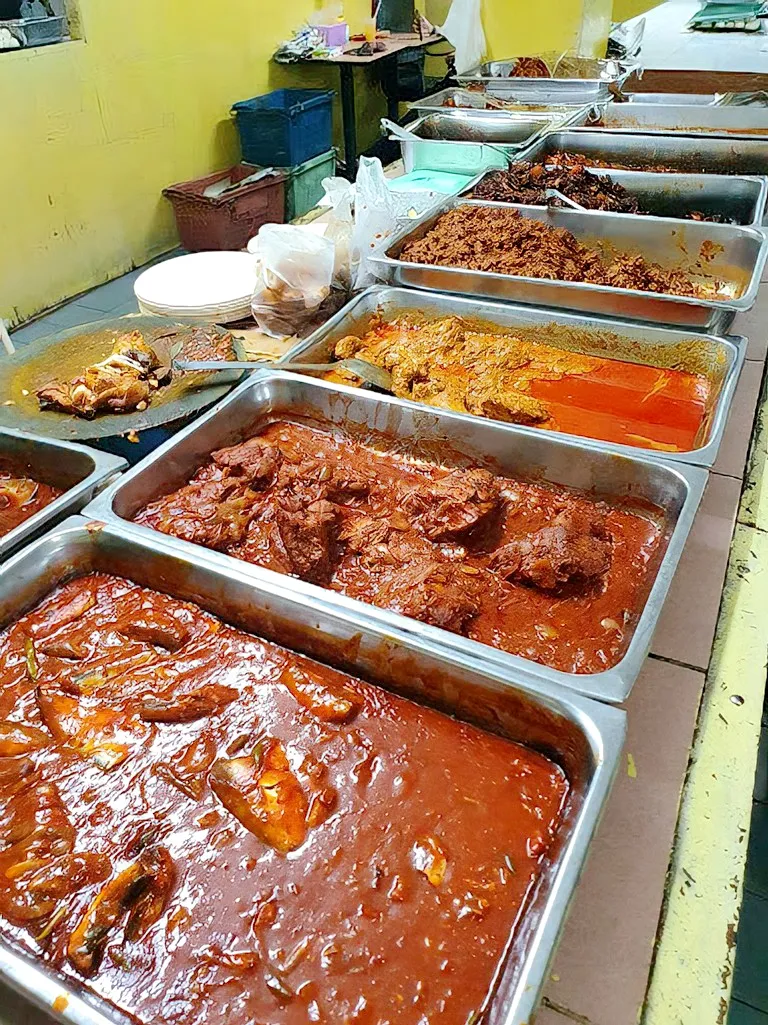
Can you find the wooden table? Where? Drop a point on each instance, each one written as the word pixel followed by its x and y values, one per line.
pixel 347 61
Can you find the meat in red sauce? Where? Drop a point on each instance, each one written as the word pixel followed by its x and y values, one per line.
pixel 200 825
pixel 532 569
pixel 20 498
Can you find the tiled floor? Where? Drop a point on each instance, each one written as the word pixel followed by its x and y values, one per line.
pixel 616 910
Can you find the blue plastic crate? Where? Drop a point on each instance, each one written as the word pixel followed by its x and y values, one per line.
pixel 285 127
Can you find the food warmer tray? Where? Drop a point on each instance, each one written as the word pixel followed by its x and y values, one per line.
pixel 270 395
pixel 453 139
pixel 709 154
pixel 672 195
pixel 495 75
pixel 584 736
pixel 685 119
pixel 475 99
pixel 739 255
pixel 78 471
pixel 639 343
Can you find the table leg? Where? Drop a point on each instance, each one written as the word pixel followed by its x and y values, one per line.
pixel 349 125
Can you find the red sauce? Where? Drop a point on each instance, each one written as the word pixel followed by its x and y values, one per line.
pixel 203 826
pixel 20 498
pixel 628 403
pixel 448 579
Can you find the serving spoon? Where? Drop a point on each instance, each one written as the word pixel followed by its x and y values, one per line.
pixel 377 377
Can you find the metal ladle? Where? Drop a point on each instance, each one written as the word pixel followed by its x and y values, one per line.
pixel 377 377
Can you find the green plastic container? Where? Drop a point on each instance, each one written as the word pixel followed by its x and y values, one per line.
pixel 303 183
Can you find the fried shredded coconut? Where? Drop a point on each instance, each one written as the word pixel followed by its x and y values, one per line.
pixel 502 241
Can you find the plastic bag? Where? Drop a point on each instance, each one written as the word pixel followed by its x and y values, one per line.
pixel 464 30
pixel 378 213
pixel 294 277
pixel 339 196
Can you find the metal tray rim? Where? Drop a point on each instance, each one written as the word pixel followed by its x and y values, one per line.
pixel 742 303
pixel 603 728
pixel 637 173
pixel 612 685
pixel 704 455
pixel 105 467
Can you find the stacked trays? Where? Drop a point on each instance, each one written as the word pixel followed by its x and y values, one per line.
pixel 206 288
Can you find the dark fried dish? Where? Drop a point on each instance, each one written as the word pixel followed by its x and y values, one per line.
pixel 524 567
pixel 501 240
pixel 131 374
pixel 528 184
pixel 264 803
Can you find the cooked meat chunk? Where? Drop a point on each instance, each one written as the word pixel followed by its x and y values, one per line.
pixel 129 376
pixel 158 627
pixel 438 593
pixel 455 504
pixel 361 534
pixel 575 550
pixel 309 534
pixel 492 399
pixel 254 460
pixel 213 512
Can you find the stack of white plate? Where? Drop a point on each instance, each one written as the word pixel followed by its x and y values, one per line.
pixel 199 287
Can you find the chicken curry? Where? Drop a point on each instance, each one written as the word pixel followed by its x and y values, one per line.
pixel 449 364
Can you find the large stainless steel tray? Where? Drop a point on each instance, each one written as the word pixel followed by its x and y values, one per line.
pixel 739 199
pixel 706 154
pixel 685 119
pixel 476 99
pixel 594 84
pixel 739 255
pixel 720 359
pixel 272 394
pixel 584 736
pixel 78 471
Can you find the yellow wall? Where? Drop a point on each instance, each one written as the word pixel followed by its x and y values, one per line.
pixel 93 130
pixel 624 9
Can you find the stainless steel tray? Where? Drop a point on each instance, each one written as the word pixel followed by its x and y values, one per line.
pixel 739 259
pixel 270 395
pixel 584 736
pixel 635 343
pixel 78 471
pixel 706 154
pixel 495 75
pixel 740 199
pixel 685 119
pixel 475 99
pixel 670 99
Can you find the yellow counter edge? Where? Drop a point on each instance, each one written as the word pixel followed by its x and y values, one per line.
pixel 692 973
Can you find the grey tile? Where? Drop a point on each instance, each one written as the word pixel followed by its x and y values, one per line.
pixel 756 879
pixel 760 792
pixel 107 297
pixel 72 315
pixel 750 977
pixel 31 332
pixel 129 307
pixel 743 1014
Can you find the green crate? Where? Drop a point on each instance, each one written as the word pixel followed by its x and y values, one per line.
pixel 303 184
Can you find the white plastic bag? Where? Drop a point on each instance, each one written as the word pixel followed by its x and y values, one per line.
pixel 463 28
pixel 295 273
pixel 339 196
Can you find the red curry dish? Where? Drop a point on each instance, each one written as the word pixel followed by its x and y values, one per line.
pixel 20 498
pixel 200 825
pixel 542 572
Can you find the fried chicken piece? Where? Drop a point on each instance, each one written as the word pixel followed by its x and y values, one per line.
pixel 455 504
pixel 121 383
pixel 574 551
